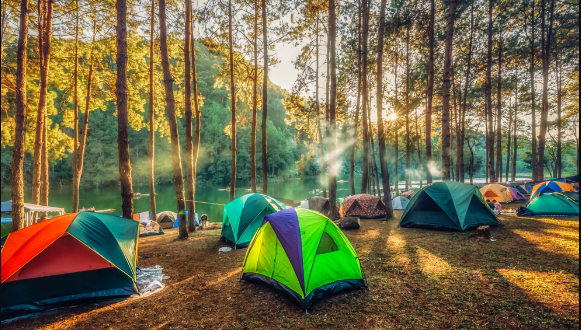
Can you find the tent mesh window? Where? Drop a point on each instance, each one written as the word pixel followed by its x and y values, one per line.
pixel 327 245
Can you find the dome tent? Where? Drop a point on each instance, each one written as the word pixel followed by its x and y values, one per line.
pixel 400 203
pixel 516 194
pixel 66 259
pixel 496 192
pixel 166 219
pixel 448 205
pixel 550 187
pixel 243 216
pixel 363 206
pixel 303 254
pixel 554 205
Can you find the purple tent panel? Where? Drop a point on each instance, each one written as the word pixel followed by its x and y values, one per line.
pixel 286 226
pixel 517 195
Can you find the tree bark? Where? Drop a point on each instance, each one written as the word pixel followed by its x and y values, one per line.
pixel 332 139
pixel 356 123
pixel 456 122
pixel 18 152
pixel 515 137
pixel 559 165
pixel 122 116
pixel 264 100
pixel 380 127
pixel 446 93
pixel 254 104
pixel 490 132
pixel 233 105
pixel 198 115
pixel 320 119
pixel 430 93
pixel 365 54
pixel 191 216
pixel 408 163
pixel 499 114
pixel 464 104
pixel 508 146
pixel 76 177
pixel 151 156
pixel 534 140
pixel 546 54
pixel 396 128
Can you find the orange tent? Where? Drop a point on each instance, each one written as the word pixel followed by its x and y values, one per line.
pixel 497 192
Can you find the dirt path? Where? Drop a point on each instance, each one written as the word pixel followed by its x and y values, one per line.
pixel 418 279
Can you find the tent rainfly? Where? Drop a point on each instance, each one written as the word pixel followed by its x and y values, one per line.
pixel 31 211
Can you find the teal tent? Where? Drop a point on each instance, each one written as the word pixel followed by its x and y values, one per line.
pixel 243 217
pixel 448 205
pixel 554 205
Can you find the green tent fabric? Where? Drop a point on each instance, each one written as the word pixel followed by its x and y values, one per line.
pixel 304 255
pixel 6 228
pixel 243 216
pixel 555 205
pixel 448 205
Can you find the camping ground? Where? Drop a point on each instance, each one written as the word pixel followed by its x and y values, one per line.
pixel 528 278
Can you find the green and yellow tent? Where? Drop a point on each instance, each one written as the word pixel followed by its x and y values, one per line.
pixel 243 216
pixel 554 205
pixel 448 205
pixel 304 255
pixel 68 258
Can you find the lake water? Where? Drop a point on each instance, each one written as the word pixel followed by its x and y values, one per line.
pixel 110 198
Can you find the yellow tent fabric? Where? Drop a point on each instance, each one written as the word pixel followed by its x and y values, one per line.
pixel 497 192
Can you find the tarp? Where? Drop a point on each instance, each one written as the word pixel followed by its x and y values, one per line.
pixel 448 205
pixel 400 203
pixel 243 216
pixel 363 206
pixel 550 187
pixel 304 255
pixel 554 205
pixel 496 192
pixel 68 258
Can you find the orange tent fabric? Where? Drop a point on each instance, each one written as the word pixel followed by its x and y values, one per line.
pixel 496 192
pixel 27 243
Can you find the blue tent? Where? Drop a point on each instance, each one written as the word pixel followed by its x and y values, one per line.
pixel 176 223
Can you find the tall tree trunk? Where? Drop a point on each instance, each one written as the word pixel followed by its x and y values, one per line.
pixel 380 127
pixel 456 127
pixel 446 93
pixel 515 137
pixel 233 97
pixel 191 216
pixel 122 116
pixel 499 114
pixel 254 104
pixel 490 132
pixel 408 163
pixel 508 146
pixel 464 104
pixel 487 140
pixel 534 140
pixel 430 93
pixel 198 115
pixel 332 139
pixel 559 164
pixel 18 152
pixel 356 123
pixel 173 124
pixel 365 54
pixel 83 144
pixel 151 159
pixel 76 177
pixel 419 138
pixel 546 54
pixel 320 119
pixel 264 100
pixel 396 128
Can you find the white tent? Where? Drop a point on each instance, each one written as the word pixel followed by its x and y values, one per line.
pixel 31 211
pixel 400 203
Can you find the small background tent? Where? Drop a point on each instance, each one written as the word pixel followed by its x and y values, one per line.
pixel 31 211
pixel 176 223
pixel 448 205
pixel 400 203
pixel 243 216
pixel 68 258
pixel 321 205
pixel 550 187
pixel 554 205
pixel 516 195
pixel 363 206
pixel 166 219
pixel 304 255
pixel 496 192
pixel 408 194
